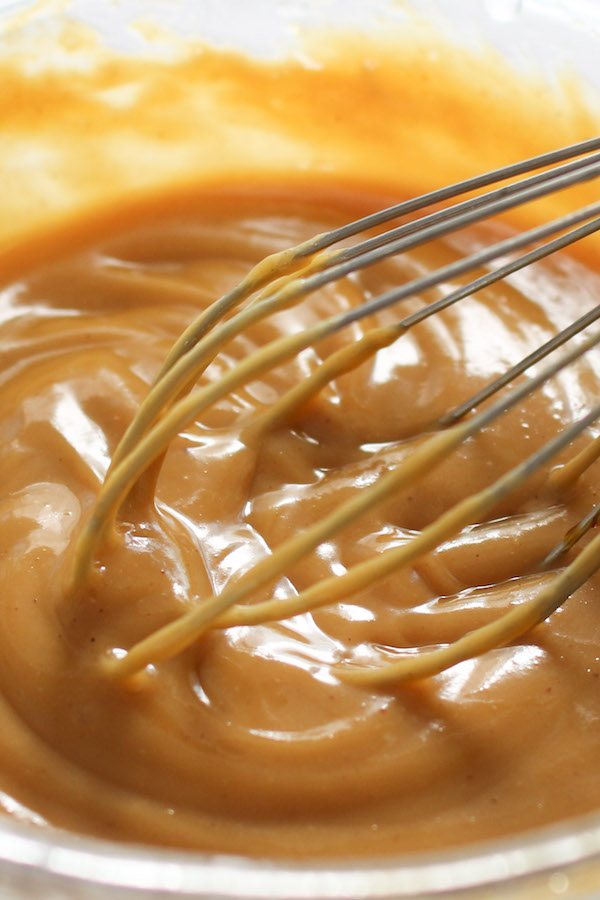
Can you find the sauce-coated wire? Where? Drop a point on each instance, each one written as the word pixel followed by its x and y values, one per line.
pixel 156 440
pixel 179 634
pixel 175 377
pixel 168 408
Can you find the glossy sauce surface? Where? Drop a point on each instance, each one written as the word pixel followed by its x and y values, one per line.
pixel 247 742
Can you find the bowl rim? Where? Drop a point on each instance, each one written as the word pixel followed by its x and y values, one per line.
pixel 148 871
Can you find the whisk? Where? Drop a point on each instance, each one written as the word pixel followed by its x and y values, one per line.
pixel 284 279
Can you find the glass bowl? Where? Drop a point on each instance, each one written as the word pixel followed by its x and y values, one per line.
pixel 549 39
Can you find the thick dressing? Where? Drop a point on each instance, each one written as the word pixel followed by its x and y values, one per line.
pixel 247 742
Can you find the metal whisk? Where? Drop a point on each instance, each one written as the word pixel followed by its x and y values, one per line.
pixel 284 279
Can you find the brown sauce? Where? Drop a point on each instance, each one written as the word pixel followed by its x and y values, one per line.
pixel 247 742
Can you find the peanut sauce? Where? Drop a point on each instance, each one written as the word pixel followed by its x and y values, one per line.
pixel 247 742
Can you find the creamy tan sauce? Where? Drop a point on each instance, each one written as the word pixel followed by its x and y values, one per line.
pixel 247 742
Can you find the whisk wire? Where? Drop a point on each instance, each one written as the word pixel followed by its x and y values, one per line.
pixel 473 210
pixel 440 195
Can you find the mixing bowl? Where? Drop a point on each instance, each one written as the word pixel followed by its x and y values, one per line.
pixel 552 43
